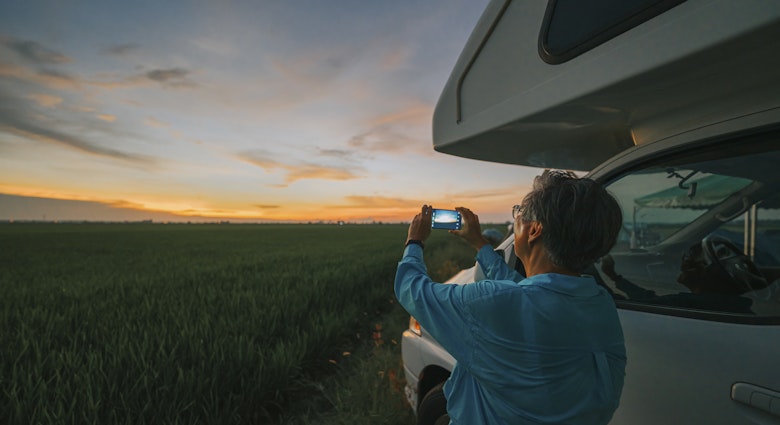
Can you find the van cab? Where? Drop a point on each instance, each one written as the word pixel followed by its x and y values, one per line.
pixel 674 106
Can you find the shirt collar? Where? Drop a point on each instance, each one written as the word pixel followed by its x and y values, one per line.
pixel 576 286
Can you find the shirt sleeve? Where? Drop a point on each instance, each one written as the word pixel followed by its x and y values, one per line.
pixel 439 308
pixel 495 267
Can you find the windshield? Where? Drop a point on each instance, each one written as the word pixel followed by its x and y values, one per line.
pixel 701 231
pixel 658 202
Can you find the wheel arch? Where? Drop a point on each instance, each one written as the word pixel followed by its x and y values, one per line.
pixel 430 377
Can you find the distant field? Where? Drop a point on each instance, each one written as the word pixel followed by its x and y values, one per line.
pixel 214 324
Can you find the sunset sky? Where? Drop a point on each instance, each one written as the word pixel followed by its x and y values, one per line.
pixel 265 110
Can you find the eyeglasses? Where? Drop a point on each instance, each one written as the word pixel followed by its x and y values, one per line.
pixel 517 211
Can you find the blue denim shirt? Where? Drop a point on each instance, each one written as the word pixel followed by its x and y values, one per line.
pixel 543 350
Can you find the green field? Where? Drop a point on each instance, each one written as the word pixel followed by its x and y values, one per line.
pixel 212 324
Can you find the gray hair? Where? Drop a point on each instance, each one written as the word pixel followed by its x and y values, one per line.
pixel 580 219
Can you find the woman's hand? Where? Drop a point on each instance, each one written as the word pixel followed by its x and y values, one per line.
pixel 420 228
pixel 471 231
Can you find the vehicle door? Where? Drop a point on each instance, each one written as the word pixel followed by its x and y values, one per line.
pixel 695 278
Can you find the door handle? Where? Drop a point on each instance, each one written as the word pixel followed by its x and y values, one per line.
pixel 758 397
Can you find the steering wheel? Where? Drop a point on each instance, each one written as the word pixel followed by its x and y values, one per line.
pixel 723 254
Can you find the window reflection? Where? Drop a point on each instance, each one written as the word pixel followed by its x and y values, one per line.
pixel 702 235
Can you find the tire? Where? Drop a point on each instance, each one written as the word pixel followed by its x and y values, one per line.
pixel 433 407
pixel 443 420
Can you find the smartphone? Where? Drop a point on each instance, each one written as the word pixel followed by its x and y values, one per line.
pixel 446 219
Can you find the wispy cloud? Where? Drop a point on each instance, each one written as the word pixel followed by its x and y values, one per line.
pixel 154 122
pixel 384 140
pixel 311 69
pixel 41 62
pixel 394 59
pixel 32 51
pixel 45 100
pixel 18 116
pixel 173 77
pixel 177 78
pixel 42 103
pixel 504 195
pixel 415 114
pixel 351 155
pixel 216 46
pixel 120 49
pixel 397 132
pixel 492 203
pixel 34 64
pixel 313 171
pixel 496 193
pixel 174 119
pixel 43 78
pixel 54 137
pixel 379 202
pixel 297 170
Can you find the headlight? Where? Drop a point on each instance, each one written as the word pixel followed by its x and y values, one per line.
pixel 414 326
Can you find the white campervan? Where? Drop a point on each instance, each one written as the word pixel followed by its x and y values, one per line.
pixel 674 106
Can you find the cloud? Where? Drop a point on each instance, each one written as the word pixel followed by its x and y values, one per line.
pixel 174 77
pixel 396 132
pixel 313 68
pixel 267 207
pixel 164 75
pixel 499 193
pixel 168 209
pixel 260 159
pixel 298 170
pixel 154 122
pixel 41 62
pixel 385 202
pixel 202 212
pixel 58 77
pixel 216 46
pixel 45 100
pixel 55 137
pixel 18 117
pixel 388 207
pixel 394 59
pixel 33 52
pixel 416 114
pixel 298 78
pixel 46 77
pixel 343 154
pixel 375 208
pixel 381 139
pixel 120 49
pixel 314 171
pixel 123 204
pixel 380 202
pixel 107 117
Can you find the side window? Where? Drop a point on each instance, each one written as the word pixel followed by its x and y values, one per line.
pixel 700 237
pixel 572 27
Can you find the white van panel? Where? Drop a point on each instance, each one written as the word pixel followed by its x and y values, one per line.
pixel 684 362
pixel 701 62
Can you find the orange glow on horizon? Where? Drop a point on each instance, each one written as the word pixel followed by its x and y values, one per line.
pixel 354 209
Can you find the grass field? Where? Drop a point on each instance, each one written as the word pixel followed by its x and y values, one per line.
pixel 213 324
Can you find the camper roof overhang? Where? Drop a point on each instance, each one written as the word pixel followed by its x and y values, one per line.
pixel 700 63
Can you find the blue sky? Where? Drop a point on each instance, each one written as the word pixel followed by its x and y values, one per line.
pixel 264 110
